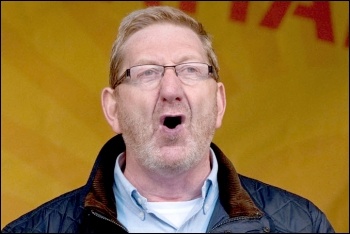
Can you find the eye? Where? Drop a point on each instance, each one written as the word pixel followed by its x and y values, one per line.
pixel 189 70
pixel 172 122
pixel 148 73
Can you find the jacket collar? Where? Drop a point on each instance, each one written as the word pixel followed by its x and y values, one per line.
pixel 234 198
pixel 100 197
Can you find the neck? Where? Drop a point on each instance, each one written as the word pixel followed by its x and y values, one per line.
pixel 158 187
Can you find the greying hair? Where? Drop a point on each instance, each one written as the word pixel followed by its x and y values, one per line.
pixel 140 19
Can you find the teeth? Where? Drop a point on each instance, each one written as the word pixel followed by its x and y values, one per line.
pixel 172 122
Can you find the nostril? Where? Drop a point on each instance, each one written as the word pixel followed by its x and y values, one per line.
pixel 172 122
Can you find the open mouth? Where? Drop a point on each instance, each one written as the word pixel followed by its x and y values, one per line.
pixel 172 121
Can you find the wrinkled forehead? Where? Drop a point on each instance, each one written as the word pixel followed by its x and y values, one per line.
pixel 163 43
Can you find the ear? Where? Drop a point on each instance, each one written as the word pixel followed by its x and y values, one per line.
pixel 109 107
pixel 221 103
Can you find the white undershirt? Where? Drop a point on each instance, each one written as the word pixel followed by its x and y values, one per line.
pixel 175 212
pixel 135 214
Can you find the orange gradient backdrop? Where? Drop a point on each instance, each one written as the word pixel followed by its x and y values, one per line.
pixel 284 66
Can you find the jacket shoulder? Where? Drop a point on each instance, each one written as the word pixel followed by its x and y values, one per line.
pixel 61 214
pixel 288 211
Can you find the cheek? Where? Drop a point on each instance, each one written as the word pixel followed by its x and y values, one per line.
pixel 202 99
pixel 135 103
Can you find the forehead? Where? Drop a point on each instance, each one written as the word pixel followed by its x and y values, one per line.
pixel 163 43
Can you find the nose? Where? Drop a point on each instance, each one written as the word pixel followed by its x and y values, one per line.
pixel 171 88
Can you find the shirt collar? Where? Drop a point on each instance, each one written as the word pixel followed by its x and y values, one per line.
pixel 128 192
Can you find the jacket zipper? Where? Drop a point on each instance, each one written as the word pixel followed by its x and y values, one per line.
pixel 98 215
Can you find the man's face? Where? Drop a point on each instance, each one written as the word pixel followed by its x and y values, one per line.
pixel 143 114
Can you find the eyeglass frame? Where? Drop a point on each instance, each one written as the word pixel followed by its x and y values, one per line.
pixel 127 71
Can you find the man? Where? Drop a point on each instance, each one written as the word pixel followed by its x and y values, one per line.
pixel 161 172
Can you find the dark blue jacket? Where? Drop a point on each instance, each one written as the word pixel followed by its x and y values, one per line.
pixel 244 205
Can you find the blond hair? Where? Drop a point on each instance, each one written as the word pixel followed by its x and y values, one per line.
pixel 140 19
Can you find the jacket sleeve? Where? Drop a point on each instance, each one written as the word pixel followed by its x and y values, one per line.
pixel 321 223
pixel 59 215
pixel 287 211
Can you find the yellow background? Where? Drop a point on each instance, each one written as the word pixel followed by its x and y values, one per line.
pixel 287 99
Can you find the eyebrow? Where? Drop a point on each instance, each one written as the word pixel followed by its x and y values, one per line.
pixel 182 59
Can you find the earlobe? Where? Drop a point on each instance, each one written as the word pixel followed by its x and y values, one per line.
pixel 221 104
pixel 109 107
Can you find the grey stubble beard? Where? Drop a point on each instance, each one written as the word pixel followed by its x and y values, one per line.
pixel 138 138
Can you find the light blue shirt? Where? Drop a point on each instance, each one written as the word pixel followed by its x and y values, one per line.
pixel 132 206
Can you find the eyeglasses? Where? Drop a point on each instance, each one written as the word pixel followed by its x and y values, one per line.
pixel 149 75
